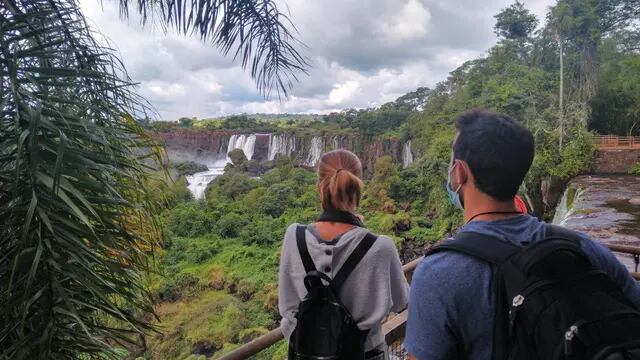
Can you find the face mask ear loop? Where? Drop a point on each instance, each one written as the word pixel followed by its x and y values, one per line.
pixel 455 163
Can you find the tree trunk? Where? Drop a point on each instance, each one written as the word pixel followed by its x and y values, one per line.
pixel 561 95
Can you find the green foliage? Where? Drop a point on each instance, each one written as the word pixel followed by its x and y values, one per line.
pixel 78 224
pixel 185 122
pixel 577 157
pixel 189 168
pixel 189 219
pixel 515 22
pixel 277 198
pixel 229 187
pixel 230 225
pixel 238 252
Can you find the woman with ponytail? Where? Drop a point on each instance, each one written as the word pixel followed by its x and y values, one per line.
pixel 375 287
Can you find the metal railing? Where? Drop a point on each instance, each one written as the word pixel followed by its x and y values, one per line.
pixel 395 325
pixel 617 142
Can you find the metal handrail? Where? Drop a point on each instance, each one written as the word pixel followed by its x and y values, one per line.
pixel 391 328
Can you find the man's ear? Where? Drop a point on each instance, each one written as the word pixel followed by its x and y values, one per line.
pixel 462 172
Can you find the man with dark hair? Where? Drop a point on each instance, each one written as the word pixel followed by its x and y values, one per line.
pixel 452 300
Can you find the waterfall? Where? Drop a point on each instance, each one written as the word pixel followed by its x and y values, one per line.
pixel 245 142
pixel 281 144
pixel 315 151
pixel 249 146
pixel 336 142
pixel 407 155
pixel 565 209
pixel 197 183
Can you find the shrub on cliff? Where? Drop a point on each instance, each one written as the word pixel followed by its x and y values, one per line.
pixel 229 187
pixel 189 219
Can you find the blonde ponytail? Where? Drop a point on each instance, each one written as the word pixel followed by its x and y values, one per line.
pixel 339 180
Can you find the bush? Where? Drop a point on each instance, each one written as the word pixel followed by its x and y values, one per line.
pixel 178 287
pixel 577 156
pixel 192 251
pixel 276 199
pixel 262 232
pixel 230 186
pixel 230 225
pixel 189 219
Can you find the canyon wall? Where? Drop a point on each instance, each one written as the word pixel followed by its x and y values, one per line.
pixel 207 147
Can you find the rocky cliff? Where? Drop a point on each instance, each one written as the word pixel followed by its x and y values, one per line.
pixel 207 147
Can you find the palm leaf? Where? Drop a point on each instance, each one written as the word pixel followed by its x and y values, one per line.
pixel 78 230
pixel 255 31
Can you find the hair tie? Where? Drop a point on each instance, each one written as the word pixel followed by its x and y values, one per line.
pixel 340 169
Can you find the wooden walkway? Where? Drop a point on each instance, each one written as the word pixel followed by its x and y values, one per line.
pixel 615 142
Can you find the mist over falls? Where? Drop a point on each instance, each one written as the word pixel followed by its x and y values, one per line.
pixel 212 148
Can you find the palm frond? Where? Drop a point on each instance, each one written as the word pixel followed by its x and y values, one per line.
pixel 78 231
pixel 255 31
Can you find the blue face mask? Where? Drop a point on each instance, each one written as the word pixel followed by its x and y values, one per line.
pixel 454 196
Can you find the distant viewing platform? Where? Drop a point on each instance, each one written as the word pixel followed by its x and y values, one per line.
pixel 614 142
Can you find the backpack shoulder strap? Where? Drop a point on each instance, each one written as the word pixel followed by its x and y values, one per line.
pixel 484 247
pixel 559 232
pixel 352 261
pixel 301 240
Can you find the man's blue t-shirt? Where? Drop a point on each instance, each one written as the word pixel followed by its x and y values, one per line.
pixel 451 305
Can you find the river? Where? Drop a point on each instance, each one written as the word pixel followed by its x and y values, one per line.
pixel 607 208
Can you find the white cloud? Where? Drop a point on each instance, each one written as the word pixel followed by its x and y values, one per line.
pixel 363 52
pixel 409 24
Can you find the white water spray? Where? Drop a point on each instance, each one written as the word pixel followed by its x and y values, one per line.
pixel 197 183
pixel 245 142
pixel 315 151
pixel 407 155
pixel 281 144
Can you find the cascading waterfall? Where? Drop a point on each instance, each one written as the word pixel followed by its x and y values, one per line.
pixel 315 151
pixel 407 155
pixel 197 183
pixel 565 209
pixel 245 142
pixel 336 143
pixel 281 144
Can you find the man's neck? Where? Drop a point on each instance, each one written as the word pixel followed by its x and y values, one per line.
pixel 490 211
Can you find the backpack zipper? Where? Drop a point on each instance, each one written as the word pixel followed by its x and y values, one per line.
pixel 569 344
pixel 572 335
pixel 519 299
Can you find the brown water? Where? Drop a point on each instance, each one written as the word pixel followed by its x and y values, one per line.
pixel 605 207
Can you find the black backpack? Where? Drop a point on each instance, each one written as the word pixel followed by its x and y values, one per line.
pixel 325 329
pixel 551 302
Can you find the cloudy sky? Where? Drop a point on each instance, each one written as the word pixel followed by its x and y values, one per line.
pixel 363 53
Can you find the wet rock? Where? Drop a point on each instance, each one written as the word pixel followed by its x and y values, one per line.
pixel 607 208
pixel 237 157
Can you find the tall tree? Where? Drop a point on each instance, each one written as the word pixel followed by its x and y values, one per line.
pixel 584 23
pixel 515 22
pixel 78 229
